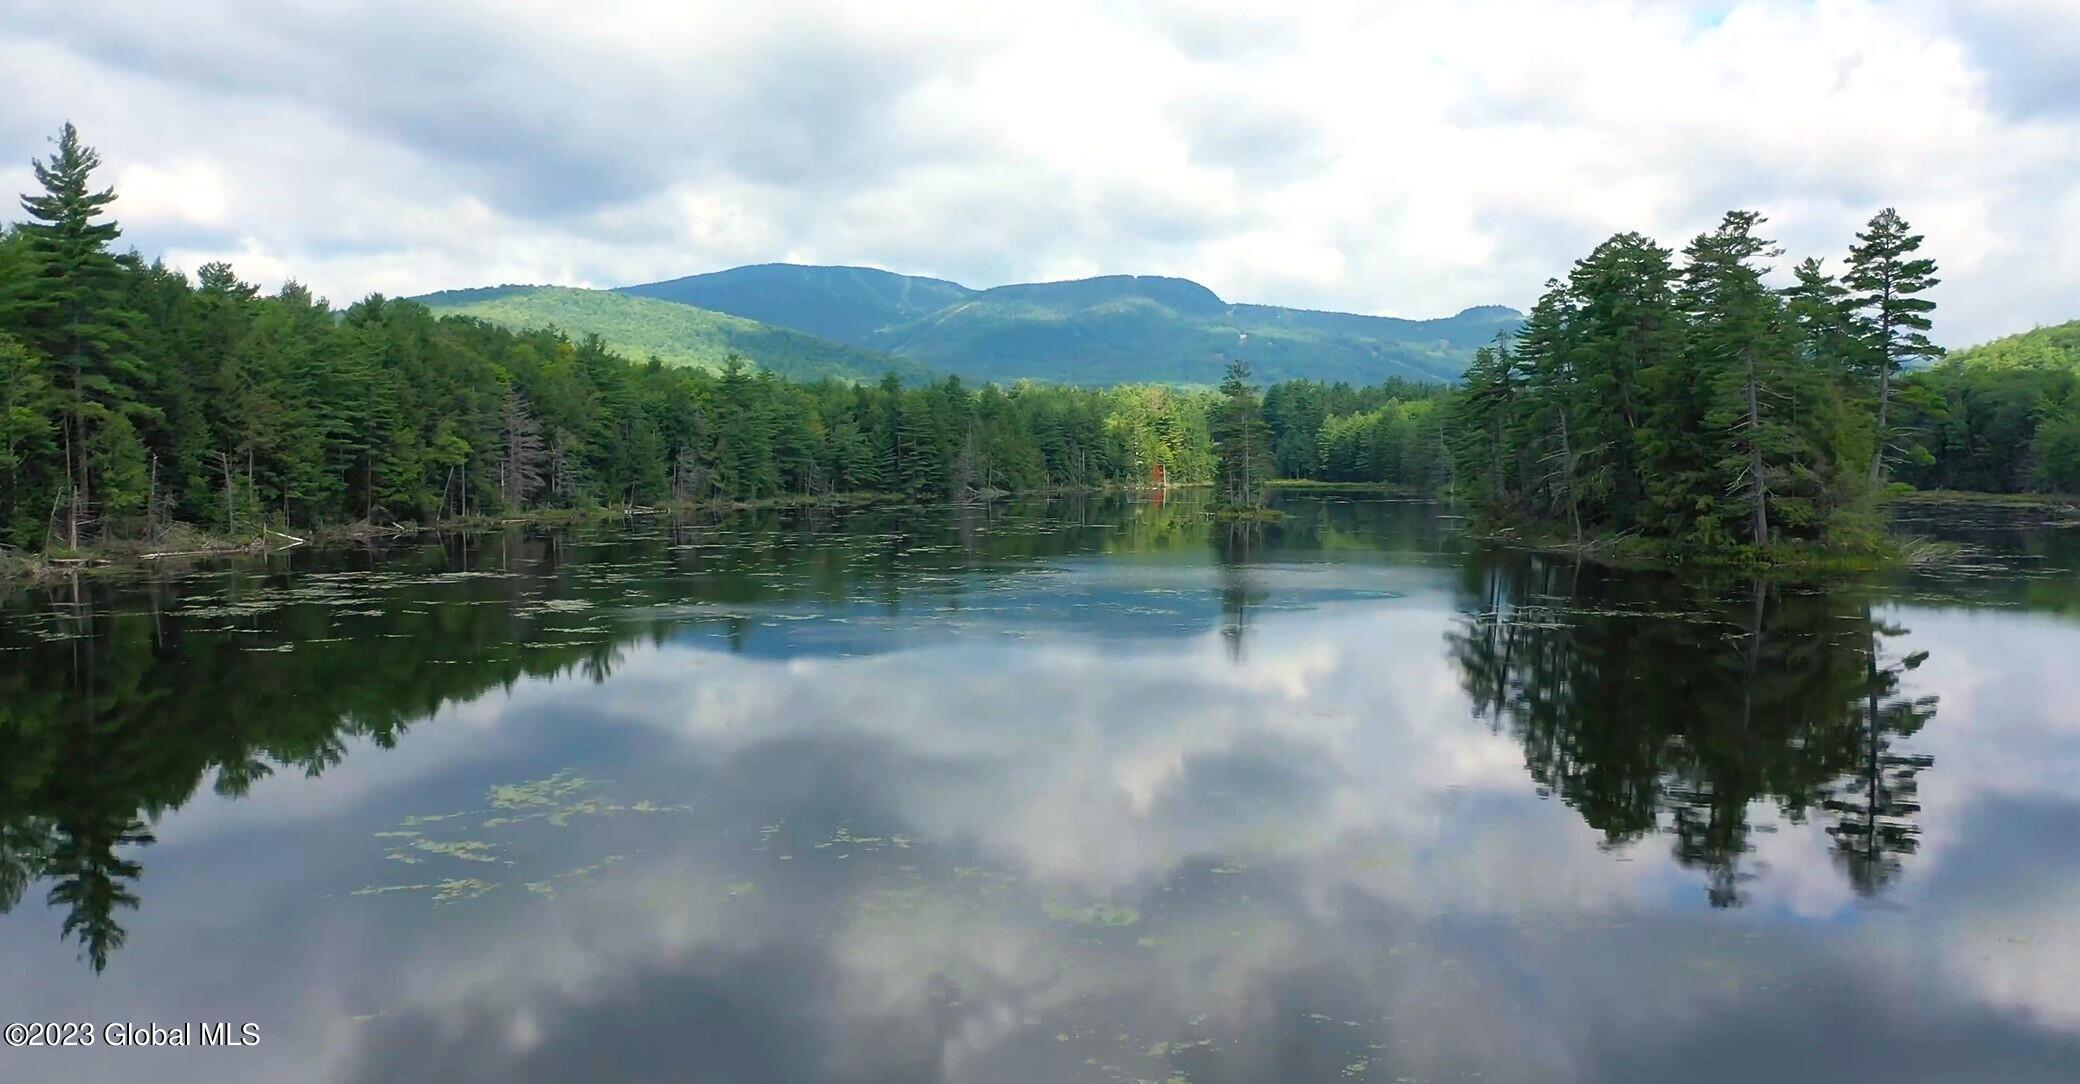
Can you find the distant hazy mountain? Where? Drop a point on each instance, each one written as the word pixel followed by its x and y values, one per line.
pixel 1114 329
pixel 859 323
pixel 639 327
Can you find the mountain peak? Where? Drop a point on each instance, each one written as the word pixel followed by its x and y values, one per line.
pixel 1183 295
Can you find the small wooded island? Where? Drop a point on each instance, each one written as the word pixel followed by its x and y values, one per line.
pixel 1695 411
pixel 1651 405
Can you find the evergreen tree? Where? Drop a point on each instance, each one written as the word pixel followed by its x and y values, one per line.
pixel 1742 354
pixel 1241 439
pixel 1624 331
pixel 1546 351
pixel 26 443
pixel 1479 425
pixel 1891 320
pixel 68 309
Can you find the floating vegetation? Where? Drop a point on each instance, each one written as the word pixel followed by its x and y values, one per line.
pixel 554 800
pixel 1094 914
pixel 548 887
pixel 414 821
pixel 553 606
pixel 851 844
pixel 467 888
pixel 444 892
pixel 468 850
pixel 539 792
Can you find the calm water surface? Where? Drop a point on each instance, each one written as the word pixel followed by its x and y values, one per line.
pixel 1051 792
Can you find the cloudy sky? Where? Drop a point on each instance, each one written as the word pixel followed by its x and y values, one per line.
pixel 1407 159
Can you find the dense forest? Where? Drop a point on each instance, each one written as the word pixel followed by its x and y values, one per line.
pixel 1694 405
pixel 1684 401
pixel 2000 418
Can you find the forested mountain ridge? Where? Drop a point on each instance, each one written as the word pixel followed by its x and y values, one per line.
pixel 1104 330
pixel 677 334
pixel 843 304
pixel 1155 329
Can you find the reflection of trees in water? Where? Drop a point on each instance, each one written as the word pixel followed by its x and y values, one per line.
pixel 1236 544
pixel 1652 708
pixel 119 721
pixel 114 711
pixel 1875 804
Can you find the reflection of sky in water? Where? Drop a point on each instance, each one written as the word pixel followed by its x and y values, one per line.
pixel 998 848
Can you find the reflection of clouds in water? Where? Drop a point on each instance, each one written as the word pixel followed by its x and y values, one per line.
pixel 2003 677
pixel 1397 871
pixel 2021 955
pixel 1105 767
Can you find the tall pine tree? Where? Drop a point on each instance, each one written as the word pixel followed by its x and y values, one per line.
pixel 69 310
pixel 1891 319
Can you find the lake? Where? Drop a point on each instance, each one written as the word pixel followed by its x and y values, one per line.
pixel 1084 789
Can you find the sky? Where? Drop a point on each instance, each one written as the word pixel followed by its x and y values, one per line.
pixel 1406 159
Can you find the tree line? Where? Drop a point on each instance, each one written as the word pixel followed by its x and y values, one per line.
pixel 133 397
pixel 1683 400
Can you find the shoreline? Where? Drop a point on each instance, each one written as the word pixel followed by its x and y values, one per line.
pixel 184 542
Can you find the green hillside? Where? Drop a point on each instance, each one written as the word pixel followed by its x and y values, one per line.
pixel 676 334
pixel 2000 417
pixel 1108 330
pixel 2055 347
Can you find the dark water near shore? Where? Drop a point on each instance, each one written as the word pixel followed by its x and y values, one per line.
pixel 1077 790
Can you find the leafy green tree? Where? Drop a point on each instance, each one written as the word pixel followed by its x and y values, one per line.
pixel 119 461
pixel 2055 447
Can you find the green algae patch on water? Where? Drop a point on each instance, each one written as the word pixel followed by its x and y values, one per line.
pixel 1091 914
pixel 538 792
pixel 552 801
pixel 444 892
pixel 467 850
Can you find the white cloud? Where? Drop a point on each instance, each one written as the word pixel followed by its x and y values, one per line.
pixel 1409 159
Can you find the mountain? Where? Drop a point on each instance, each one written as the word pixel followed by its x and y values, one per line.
pixel 2056 347
pixel 678 334
pixel 844 304
pixel 1113 329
